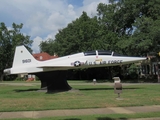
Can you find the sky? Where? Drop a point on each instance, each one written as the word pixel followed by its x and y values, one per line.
pixel 43 18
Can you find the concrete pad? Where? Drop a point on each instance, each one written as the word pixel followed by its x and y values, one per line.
pixel 157 118
pixel 119 98
pixel 77 112
pixel 48 113
pixel 143 109
pixel 102 111
pixel 5 115
pixel 121 110
pixel 0 114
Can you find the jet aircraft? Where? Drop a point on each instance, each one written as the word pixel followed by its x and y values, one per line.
pixel 25 63
pixel 52 72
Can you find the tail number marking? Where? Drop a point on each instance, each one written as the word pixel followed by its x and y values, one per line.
pixel 26 61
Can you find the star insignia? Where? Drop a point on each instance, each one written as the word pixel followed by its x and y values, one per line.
pixel 77 63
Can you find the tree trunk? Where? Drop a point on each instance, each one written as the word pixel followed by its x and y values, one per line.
pixel 53 81
pixel 158 73
pixel 1 76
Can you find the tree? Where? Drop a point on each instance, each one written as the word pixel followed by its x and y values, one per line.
pixel 83 34
pixel 48 46
pixel 9 39
pixel 133 22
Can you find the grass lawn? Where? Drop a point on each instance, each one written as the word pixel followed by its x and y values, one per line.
pixel 26 98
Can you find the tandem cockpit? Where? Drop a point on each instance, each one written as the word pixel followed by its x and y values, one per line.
pixel 101 52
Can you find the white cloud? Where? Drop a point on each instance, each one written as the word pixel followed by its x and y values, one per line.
pixel 35 45
pixel 9 28
pixel 90 6
pixel 71 11
pixel 43 18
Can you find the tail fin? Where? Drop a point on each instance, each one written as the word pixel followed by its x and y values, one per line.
pixel 22 57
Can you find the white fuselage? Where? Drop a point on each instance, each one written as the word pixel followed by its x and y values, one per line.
pixel 24 64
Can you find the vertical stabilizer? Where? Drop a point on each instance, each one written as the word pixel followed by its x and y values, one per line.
pixel 23 57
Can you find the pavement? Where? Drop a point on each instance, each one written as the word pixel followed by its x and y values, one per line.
pixel 79 112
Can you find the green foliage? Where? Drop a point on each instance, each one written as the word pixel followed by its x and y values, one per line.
pixel 133 71
pixel 9 39
pixel 19 79
pixel 48 46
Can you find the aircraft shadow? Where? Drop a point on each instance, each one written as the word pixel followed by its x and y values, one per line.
pixel 58 91
pixel 107 88
pixel 96 89
pixel 40 90
pixel 26 90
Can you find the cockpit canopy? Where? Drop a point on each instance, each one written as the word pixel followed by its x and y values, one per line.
pixel 101 52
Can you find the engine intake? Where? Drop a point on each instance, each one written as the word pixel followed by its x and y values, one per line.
pixel 7 71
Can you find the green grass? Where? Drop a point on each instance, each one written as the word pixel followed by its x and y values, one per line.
pixel 26 98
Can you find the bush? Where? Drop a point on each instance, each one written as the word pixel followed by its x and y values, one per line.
pixel 132 72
